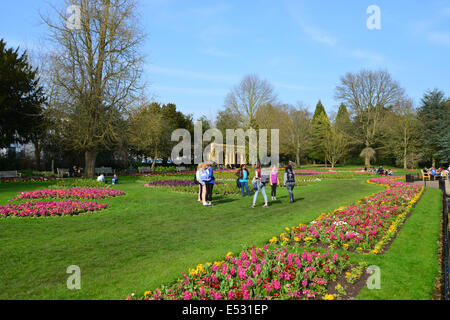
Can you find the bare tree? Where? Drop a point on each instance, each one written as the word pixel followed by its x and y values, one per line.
pixel 298 127
pixel 246 98
pixel 368 94
pixel 149 131
pixel 336 146
pixel 96 72
pixel 402 130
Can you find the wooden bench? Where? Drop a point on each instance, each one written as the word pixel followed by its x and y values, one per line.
pixel 181 169
pixel 10 174
pixel 425 176
pixel 145 169
pixel 63 172
pixel 106 171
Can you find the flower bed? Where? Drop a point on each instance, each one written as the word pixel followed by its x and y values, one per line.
pixel 74 193
pixel 366 226
pixel 311 172
pixel 27 179
pixel 71 183
pixel 266 273
pixel 189 186
pixel 175 183
pixel 52 208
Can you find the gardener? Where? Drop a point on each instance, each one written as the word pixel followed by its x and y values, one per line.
pixel 243 179
pixel 289 182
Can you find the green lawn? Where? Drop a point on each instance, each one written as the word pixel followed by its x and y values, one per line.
pixel 146 238
pixel 409 269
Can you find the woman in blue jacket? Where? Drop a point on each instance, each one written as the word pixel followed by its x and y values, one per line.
pixel 208 179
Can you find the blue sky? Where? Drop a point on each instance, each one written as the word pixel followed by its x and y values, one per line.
pixel 196 51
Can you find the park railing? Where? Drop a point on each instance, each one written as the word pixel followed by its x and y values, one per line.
pixel 445 187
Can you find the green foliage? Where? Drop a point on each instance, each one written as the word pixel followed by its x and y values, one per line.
pixel 21 97
pixel 147 237
pixel 343 122
pixel 434 117
pixel 320 129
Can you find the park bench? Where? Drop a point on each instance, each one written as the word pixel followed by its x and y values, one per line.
pixel 145 169
pixel 425 176
pixel 181 169
pixel 10 174
pixel 63 172
pixel 106 171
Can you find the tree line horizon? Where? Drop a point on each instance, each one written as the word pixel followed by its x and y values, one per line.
pixel 84 101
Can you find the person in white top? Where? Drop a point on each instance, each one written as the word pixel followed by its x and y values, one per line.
pixel 201 184
pixel 101 178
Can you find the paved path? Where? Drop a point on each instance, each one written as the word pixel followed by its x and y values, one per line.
pixel 431 184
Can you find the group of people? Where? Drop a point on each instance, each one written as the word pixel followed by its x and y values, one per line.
pixel 114 180
pixel 261 179
pixel 75 172
pixel 437 173
pixel 204 178
pixel 381 171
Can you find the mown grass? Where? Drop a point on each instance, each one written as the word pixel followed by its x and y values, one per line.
pixel 146 238
pixel 410 267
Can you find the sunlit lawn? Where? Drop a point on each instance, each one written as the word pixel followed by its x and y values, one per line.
pixel 146 238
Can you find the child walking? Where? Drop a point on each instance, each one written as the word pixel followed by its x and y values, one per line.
pixel 274 182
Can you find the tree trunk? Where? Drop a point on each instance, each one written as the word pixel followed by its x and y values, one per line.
pixel 405 162
pixel 89 158
pixel 154 160
pixel 297 158
pixel 37 156
pixel 367 161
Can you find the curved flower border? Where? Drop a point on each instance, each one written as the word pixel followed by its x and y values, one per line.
pixel 315 233
pixel 51 208
pixel 73 193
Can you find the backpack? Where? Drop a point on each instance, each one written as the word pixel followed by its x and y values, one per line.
pixel 238 183
pixel 265 178
pixel 256 184
pixel 290 177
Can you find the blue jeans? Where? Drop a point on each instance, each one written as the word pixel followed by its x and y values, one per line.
pixel 262 188
pixel 245 185
pixel 290 187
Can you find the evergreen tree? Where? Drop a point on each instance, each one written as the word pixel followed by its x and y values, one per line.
pixel 320 127
pixel 434 117
pixel 343 122
pixel 21 97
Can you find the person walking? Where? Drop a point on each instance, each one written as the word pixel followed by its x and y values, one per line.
pixel 258 185
pixel 289 182
pixel 274 182
pixel 243 179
